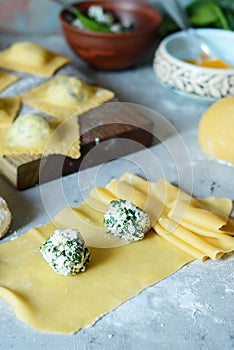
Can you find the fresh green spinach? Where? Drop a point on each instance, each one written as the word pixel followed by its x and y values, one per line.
pixel 204 13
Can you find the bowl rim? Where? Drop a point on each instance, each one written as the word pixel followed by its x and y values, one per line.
pixel 154 10
pixel 167 39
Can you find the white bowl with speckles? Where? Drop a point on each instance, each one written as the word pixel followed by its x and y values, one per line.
pixel 171 69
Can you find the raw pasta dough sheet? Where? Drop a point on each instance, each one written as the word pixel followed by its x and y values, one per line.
pixel 53 303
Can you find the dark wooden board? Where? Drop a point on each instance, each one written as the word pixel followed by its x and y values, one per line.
pixel 107 132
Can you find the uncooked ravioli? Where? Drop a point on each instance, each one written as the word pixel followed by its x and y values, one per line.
pixel 66 95
pixel 6 79
pixel 216 130
pixel 68 91
pixel 29 130
pixel 35 134
pixel 32 58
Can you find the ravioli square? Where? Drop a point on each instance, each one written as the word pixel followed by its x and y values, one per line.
pixel 9 108
pixel 7 79
pixel 29 57
pixel 66 95
pixel 34 134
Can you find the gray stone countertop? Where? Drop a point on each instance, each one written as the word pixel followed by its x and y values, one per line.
pixel 191 309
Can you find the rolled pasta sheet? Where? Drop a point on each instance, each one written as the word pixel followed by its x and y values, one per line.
pixel 198 216
pixel 169 193
pixel 190 242
pixel 196 254
pixel 136 181
pixel 191 224
pixel 162 190
pixel 102 194
pixel 221 207
pixel 201 231
pixel 229 227
pixel 124 190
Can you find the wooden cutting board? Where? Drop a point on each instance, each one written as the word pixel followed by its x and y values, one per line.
pixel 107 132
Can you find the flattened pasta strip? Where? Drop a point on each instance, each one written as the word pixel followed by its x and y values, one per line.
pixel 197 216
pixel 198 227
pixel 191 239
pixel 180 244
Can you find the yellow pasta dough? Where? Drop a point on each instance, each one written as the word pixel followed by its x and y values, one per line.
pixel 215 131
pixel 6 79
pixel 32 58
pixel 9 108
pixel 35 134
pixel 177 222
pixel 113 275
pixel 66 95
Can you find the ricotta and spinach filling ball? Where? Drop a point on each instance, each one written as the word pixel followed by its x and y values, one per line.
pixel 65 252
pixel 124 219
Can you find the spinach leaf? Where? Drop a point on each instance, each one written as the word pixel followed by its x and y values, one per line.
pixel 204 13
pixel 230 19
pixel 91 24
pixel 209 14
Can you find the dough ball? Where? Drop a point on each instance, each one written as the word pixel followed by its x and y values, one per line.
pixel 65 252
pixel 5 217
pixel 68 91
pixel 215 131
pixel 123 219
pixel 29 53
pixel 29 130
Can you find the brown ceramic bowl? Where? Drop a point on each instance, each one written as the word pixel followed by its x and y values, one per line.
pixel 111 51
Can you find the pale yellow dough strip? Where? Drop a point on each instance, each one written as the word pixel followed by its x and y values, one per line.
pixel 198 216
pixel 162 189
pixel 218 206
pixel 202 231
pixel 193 240
pixel 229 227
pixel 178 243
pixel 195 230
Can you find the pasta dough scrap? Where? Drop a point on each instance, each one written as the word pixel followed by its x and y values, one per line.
pixel 32 58
pixel 9 108
pixel 115 272
pixel 7 79
pixel 35 134
pixel 66 95
pixel 215 131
